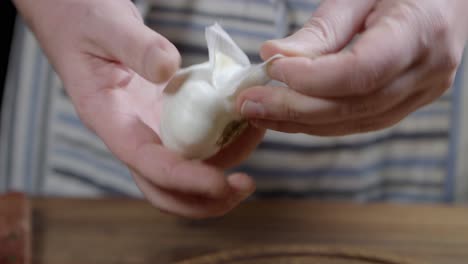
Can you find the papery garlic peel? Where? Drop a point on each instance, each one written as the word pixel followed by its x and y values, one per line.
pixel 198 116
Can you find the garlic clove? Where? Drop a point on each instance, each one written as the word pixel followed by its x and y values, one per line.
pixel 190 114
pixel 198 117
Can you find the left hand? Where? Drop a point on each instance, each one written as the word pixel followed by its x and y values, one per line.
pixel 115 68
pixel 406 56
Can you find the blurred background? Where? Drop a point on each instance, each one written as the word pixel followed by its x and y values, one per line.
pixel 46 150
pixel 8 14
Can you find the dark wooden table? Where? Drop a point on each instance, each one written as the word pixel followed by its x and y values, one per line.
pixel 127 231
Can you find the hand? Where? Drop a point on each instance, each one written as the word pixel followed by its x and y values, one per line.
pixel 405 57
pixel 114 69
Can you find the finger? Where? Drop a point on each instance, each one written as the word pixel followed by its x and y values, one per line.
pixel 196 206
pixel 284 104
pixel 380 10
pixel 170 171
pixel 331 27
pixel 364 125
pixel 234 153
pixel 134 143
pixel 133 44
pixel 378 56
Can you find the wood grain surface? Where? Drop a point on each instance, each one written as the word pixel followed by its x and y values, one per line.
pixel 131 231
pixel 15 229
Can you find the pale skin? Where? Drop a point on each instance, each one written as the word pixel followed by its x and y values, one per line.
pixel 114 69
pixel 405 57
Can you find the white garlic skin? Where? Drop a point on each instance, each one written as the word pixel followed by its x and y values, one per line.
pixel 198 114
pixel 194 118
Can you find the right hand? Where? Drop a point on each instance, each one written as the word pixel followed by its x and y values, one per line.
pixel 114 69
pixel 405 55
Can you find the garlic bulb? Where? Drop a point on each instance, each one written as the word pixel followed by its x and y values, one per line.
pixel 198 116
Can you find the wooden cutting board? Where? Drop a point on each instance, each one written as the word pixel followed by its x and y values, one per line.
pixel 110 231
pixel 15 229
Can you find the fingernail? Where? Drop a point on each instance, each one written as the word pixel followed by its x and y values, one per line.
pixel 252 109
pixel 290 46
pixel 242 183
pixel 298 45
pixel 283 43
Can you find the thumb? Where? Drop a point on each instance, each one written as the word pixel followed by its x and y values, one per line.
pixel 330 29
pixel 140 48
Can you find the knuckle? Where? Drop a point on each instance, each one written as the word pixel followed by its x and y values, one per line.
pixel 297 82
pixel 443 34
pixel 288 108
pixel 447 70
pixel 446 63
pixel 157 68
pixel 322 29
pixel 440 25
pixel 452 60
pixel 362 79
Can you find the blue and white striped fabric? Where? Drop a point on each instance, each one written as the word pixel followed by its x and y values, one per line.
pixel 44 148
